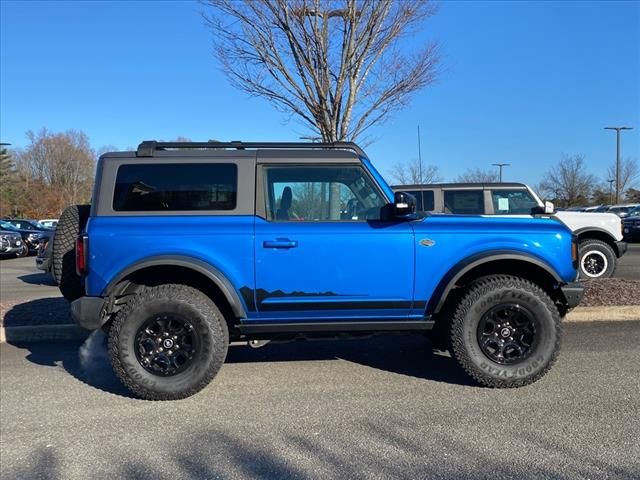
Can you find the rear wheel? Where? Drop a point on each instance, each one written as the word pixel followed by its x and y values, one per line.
pixel 63 265
pixel 168 342
pixel 506 332
pixel 596 259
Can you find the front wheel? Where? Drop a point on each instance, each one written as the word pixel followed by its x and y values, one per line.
pixel 168 342
pixel 24 252
pixel 596 259
pixel 506 332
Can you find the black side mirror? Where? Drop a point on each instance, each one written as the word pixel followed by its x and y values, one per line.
pixel 403 204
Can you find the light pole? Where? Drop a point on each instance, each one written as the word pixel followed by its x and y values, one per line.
pixel 611 181
pixel 500 165
pixel 419 157
pixel 617 129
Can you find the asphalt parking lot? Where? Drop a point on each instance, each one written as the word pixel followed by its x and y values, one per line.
pixel 377 408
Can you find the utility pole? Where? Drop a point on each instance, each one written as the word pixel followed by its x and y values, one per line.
pixel 419 157
pixel 500 165
pixel 611 182
pixel 617 129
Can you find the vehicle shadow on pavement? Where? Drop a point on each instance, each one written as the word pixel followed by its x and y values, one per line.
pixel 38 279
pixel 42 311
pixel 86 361
pixel 410 355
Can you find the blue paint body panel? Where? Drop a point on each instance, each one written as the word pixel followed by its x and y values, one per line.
pixel 116 243
pixel 324 271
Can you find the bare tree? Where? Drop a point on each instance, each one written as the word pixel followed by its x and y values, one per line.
pixel 568 182
pixel 335 64
pixel 477 176
pixel 410 173
pixel 63 162
pixel 629 173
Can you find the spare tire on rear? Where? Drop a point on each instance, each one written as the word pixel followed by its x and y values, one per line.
pixel 71 224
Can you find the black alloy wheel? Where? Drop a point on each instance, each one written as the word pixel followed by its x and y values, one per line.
pixel 166 344
pixel 507 333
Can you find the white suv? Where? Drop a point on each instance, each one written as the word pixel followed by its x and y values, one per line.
pixel 599 234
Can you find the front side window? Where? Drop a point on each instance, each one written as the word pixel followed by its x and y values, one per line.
pixel 513 202
pixel 321 193
pixel 469 202
pixel 175 187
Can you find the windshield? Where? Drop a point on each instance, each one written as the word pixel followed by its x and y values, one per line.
pixel 8 226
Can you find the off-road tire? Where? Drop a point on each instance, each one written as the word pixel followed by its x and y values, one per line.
pixel 63 265
pixel 602 253
pixel 207 321
pixel 492 292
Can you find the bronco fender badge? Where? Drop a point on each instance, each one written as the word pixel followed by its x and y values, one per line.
pixel 427 242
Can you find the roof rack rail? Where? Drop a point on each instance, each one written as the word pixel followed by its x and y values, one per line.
pixel 149 147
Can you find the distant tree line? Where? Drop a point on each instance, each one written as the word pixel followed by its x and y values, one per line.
pixel 54 170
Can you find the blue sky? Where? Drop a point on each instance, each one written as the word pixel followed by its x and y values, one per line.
pixel 524 82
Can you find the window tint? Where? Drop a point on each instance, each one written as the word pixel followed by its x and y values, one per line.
pixel 468 202
pixel 184 186
pixel 424 200
pixel 512 202
pixel 321 194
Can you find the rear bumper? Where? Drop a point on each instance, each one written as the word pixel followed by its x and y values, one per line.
pixel 573 293
pixel 87 312
pixel 621 248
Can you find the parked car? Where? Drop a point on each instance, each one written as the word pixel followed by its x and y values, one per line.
pixel 44 258
pixel 262 248
pixel 10 243
pixel 631 225
pixel 597 209
pixel 49 222
pixel 600 239
pixel 25 224
pixel 622 210
pixel 30 237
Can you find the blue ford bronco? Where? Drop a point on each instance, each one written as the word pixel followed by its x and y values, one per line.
pixel 187 247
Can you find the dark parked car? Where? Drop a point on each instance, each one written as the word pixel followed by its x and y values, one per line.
pixel 10 243
pixel 30 237
pixel 27 224
pixel 631 225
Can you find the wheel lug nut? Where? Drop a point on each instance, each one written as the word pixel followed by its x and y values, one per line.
pixel 160 349
pixel 175 337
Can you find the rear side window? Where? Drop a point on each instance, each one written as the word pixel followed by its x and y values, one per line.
pixel 424 200
pixel 468 202
pixel 512 202
pixel 176 187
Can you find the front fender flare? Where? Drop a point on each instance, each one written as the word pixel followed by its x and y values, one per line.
pixel 460 269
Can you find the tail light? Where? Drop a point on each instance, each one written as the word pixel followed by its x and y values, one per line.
pixel 82 243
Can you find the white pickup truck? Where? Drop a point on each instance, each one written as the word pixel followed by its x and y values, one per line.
pixel 600 242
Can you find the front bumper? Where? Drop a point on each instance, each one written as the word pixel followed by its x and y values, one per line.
pixel 621 248
pixel 573 293
pixel 10 250
pixel 87 312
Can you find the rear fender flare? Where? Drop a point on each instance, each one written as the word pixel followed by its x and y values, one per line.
pixel 212 273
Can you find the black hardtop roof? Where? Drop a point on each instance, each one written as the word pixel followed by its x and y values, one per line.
pixel 426 186
pixel 153 148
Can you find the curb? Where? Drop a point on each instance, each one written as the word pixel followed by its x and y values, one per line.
pixel 604 314
pixel 53 333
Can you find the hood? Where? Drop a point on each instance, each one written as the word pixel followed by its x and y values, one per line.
pixel 584 220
